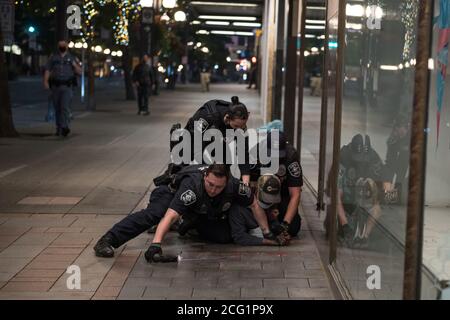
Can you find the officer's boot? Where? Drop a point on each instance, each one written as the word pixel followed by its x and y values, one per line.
pixel 104 247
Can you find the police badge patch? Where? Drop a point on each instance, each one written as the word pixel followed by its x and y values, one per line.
pixel 226 206
pixel 202 125
pixel 245 190
pixel 188 197
pixel 295 170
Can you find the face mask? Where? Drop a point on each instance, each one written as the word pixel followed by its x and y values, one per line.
pixel 62 49
pixel 263 205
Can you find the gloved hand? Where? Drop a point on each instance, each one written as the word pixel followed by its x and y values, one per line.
pixel 278 228
pixel 282 239
pixel 153 253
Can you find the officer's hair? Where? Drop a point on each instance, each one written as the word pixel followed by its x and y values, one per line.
pixel 219 170
pixel 238 110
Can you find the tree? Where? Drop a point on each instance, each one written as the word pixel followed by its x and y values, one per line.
pixel 6 121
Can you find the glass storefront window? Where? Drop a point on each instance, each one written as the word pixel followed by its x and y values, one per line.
pixel 436 245
pixel 378 89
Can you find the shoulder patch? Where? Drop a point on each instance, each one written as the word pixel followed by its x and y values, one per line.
pixel 201 125
pixel 226 206
pixel 244 190
pixel 188 197
pixel 295 170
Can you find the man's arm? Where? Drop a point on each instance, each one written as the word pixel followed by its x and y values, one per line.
pixel 169 218
pixel 260 216
pixel 77 67
pixel 294 202
pixel 46 79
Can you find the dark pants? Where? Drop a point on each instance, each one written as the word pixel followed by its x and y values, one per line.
pixel 138 222
pixel 62 97
pixel 143 92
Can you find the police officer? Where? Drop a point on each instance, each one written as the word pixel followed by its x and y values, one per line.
pixel 243 223
pixel 291 177
pixel 201 194
pixel 60 76
pixel 220 115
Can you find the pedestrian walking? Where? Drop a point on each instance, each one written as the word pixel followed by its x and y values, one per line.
pixel 143 78
pixel 60 76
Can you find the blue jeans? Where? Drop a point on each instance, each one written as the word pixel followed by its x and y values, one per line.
pixel 62 97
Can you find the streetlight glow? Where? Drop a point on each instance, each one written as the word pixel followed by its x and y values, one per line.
pixel 146 3
pixel 169 4
pixel 98 49
pixel 180 16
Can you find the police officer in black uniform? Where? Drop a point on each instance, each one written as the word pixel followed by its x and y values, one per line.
pixel 60 76
pixel 220 115
pixel 291 177
pixel 200 194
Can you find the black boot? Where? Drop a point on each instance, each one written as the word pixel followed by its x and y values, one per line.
pixel 104 247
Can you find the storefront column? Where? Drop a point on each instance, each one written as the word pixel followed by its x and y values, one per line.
pixel 291 71
pixel 417 165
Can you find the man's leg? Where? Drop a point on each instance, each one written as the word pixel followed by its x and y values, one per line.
pixel 139 99
pixel 58 111
pixel 66 97
pixel 145 93
pixel 136 223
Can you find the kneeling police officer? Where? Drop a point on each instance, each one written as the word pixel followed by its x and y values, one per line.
pixel 220 115
pixel 200 195
pixel 291 178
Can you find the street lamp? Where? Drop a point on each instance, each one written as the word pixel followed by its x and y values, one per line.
pixel 146 22
pixel 146 3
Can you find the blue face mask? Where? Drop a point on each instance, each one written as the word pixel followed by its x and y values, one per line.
pixel 264 205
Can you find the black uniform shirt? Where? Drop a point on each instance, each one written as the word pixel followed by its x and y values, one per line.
pixel 61 67
pixel 210 115
pixel 191 197
pixel 290 172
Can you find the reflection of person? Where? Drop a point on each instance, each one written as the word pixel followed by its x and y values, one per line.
pixel 243 223
pixel 202 196
pixel 360 177
pixel 253 74
pixel 205 78
pixel 142 78
pixel 60 75
pixel 397 159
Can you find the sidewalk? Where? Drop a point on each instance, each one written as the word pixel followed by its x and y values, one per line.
pixel 59 196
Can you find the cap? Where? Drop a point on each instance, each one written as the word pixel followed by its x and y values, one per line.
pixel 269 188
pixel 278 145
pixel 360 147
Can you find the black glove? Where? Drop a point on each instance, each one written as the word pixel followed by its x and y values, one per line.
pixel 153 253
pixel 282 239
pixel 278 228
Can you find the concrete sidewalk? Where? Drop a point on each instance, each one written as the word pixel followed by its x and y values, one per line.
pixel 58 196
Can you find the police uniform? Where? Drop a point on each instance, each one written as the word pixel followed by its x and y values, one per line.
pixel 62 78
pixel 291 175
pixel 211 116
pixel 187 196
